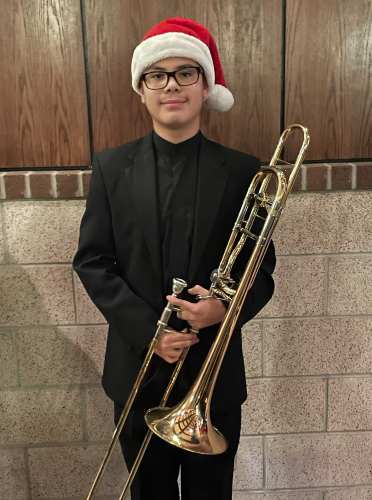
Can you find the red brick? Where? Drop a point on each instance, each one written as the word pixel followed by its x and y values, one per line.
pixel 14 185
pixel 341 176
pixel 86 181
pixel 364 176
pixel 316 177
pixel 67 184
pixel 41 185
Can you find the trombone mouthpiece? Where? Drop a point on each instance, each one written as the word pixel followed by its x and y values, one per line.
pixel 178 285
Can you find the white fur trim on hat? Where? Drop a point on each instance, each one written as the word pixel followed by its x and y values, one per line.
pixel 220 99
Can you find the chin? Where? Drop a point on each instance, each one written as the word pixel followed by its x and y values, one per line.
pixel 174 121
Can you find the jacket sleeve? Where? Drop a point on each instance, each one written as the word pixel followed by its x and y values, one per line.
pixel 263 287
pixel 95 264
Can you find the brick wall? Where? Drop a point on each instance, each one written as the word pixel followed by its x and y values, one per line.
pixel 75 183
pixel 307 425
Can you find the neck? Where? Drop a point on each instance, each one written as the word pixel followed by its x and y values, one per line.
pixel 177 135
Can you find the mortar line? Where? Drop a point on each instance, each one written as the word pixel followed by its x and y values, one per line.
pixel 49 327
pixel 316 316
pixel 264 468
pixel 98 497
pixel 320 376
pixel 53 180
pixel 329 176
pixel 5 242
pixel 37 264
pixel 74 294
pixel 276 490
pixel 325 254
pixel 353 175
pixel 80 189
pixel 326 285
pixel 27 185
pixel 263 346
pixel 266 318
pixel 321 489
pixel 326 389
pixel 27 472
pixel 16 357
pixel 97 385
pixel 63 444
pixel 299 434
pixel 83 413
pixel 2 186
pixel 51 387
pixel 54 196
pixel 279 256
pixel 304 177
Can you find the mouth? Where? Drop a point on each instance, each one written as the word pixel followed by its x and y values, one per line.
pixel 173 103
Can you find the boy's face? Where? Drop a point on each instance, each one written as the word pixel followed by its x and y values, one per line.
pixel 175 106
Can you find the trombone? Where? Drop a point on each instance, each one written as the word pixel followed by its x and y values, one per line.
pixel 188 424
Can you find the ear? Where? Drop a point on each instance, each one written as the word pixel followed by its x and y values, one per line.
pixel 205 88
pixel 141 91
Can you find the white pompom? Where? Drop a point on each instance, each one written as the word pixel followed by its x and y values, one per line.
pixel 220 99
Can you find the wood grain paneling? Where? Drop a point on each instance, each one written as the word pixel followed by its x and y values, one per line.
pixel 43 104
pixel 248 35
pixel 329 75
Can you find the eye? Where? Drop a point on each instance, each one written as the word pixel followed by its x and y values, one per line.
pixel 156 76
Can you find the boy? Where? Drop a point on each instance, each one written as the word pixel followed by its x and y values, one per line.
pixel 161 207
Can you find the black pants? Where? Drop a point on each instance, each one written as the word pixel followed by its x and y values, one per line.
pixel 203 477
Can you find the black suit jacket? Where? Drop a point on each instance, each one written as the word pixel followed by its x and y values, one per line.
pixel 119 262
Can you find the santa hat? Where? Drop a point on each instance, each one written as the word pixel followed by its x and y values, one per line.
pixel 180 37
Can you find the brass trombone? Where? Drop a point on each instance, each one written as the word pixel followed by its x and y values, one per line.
pixel 188 424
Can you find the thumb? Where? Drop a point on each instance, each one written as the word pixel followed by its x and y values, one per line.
pixel 197 290
pixel 185 330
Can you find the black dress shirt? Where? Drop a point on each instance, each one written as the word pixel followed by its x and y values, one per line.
pixel 177 172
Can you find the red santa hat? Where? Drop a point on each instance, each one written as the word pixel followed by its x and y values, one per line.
pixel 180 37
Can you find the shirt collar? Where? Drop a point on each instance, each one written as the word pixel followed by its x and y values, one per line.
pixel 190 146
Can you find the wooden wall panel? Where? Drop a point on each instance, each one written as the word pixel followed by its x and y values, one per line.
pixel 329 75
pixel 248 35
pixel 43 106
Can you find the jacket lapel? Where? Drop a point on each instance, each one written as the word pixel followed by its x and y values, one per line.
pixel 142 182
pixel 211 185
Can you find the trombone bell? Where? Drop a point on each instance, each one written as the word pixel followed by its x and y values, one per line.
pixel 187 427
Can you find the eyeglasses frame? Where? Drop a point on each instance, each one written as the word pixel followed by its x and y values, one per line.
pixel 172 74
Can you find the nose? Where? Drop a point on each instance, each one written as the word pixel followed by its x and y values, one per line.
pixel 172 84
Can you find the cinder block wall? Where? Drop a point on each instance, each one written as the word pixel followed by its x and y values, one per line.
pixel 307 425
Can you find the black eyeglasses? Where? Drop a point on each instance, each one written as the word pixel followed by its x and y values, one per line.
pixel 156 80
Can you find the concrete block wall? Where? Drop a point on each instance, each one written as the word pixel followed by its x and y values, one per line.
pixel 307 424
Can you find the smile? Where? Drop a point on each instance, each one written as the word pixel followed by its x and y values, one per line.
pixel 173 104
